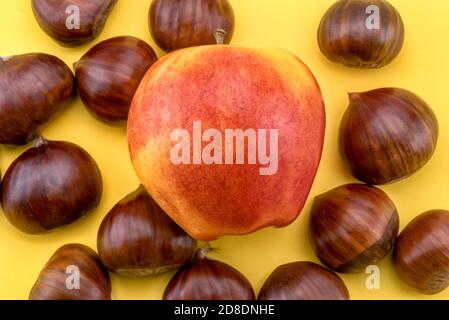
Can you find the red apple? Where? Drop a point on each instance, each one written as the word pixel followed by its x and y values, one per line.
pixel 227 140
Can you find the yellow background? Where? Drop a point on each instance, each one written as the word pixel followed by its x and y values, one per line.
pixel 422 67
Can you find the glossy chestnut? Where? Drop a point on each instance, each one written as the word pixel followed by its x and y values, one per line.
pixel 50 185
pixel 361 33
pixel 207 279
pixel 178 24
pixel 137 238
pixel 108 76
pixel 387 135
pixel 72 22
pixel 353 226
pixel 74 272
pixel 34 89
pixel 303 281
pixel 421 253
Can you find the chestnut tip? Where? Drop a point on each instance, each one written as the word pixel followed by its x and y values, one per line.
pixel 40 141
pixel 75 65
pixel 220 35
pixel 201 253
pixel 318 198
pixel 354 95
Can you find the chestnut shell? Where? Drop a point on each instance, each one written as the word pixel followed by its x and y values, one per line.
pixel 177 24
pixel 421 253
pixel 34 89
pixel 108 76
pixel 207 279
pixel 50 185
pixel 353 226
pixel 344 37
pixel 94 283
pixel 387 134
pixel 137 238
pixel 52 18
pixel 303 281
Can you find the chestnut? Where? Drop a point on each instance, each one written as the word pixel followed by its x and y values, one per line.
pixel 108 76
pixel 353 226
pixel 178 24
pixel 207 279
pixel 74 272
pixel 34 89
pixel 50 185
pixel 303 280
pixel 387 135
pixel 137 238
pixel 421 253
pixel 361 33
pixel 72 22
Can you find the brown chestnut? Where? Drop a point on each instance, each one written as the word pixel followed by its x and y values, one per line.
pixel 387 135
pixel 108 75
pixel 50 185
pixel 353 226
pixel 74 272
pixel 421 253
pixel 137 238
pixel 207 279
pixel 178 24
pixel 34 88
pixel 303 281
pixel 361 33
pixel 72 22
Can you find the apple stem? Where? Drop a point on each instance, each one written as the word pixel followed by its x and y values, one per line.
pixel 220 35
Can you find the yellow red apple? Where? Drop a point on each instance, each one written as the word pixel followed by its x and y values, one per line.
pixel 227 140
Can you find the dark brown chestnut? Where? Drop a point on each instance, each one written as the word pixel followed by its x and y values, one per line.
pixel 108 76
pixel 72 22
pixel 387 135
pixel 74 272
pixel 303 281
pixel 421 253
pixel 137 238
pixel 353 226
pixel 207 279
pixel 176 24
pixel 361 33
pixel 34 88
pixel 50 185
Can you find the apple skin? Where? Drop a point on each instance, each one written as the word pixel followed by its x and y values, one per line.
pixel 228 87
